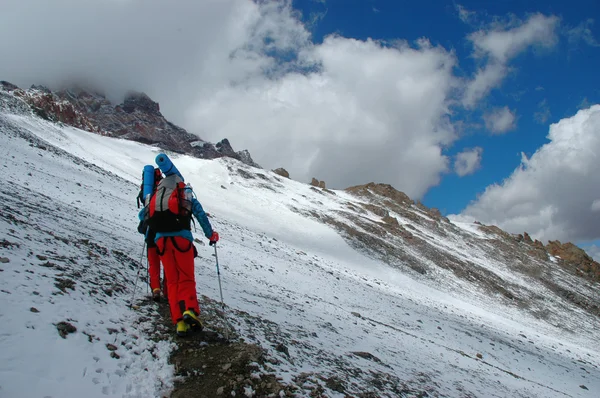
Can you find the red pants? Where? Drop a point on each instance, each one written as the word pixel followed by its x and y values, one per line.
pixel 177 257
pixel 154 270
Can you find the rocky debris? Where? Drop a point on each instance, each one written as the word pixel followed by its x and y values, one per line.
pixel 401 239
pixel 575 258
pixel 49 107
pixel 7 86
pixel 138 118
pixel 207 365
pixel 4 260
pixel 377 210
pixel 391 220
pixel 494 230
pixel 384 190
pixel 367 355
pixel 282 172
pixel 282 348
pixel 64 328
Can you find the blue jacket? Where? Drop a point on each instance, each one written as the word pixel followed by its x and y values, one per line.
pixel 200 215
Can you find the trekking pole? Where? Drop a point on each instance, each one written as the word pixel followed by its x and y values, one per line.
pixel 221 293
pixel 137 275
pixel 147 275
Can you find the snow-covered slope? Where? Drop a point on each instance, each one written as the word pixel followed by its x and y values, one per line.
pixel 329 315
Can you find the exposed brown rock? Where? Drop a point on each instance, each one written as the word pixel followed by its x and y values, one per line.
pixel 282 172
pixel 575 258
pixel 519 237
pixel 527 238
pixel 378 210
pixel 539 244
pixel 384 190
pixel 322 184
pixel 314 182
pixel 494 230
pixel 390 220
pixel 138 118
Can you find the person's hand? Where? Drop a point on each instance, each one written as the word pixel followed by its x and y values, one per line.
pixel 214 238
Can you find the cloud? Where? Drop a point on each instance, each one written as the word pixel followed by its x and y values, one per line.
pixel 583 33
pixel 345 111
pixel 500 120
pixel 593 251
pixel 498 44
pixel 468 161
pixel 542 115
pixel 465 15
pixel 367 113
pixel 585 103
pixel 554 194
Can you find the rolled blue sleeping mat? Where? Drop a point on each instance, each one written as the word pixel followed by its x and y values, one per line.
pixel 148 181
pixel 166 166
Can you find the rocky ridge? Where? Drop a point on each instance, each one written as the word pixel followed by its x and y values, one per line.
pixel 138 118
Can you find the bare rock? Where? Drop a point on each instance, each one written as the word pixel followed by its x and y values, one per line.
pixel 391 220
pixel 282 172
pixel 64 328
pixel 7 86
pixel 575 258
pixel 384 190
pixel 314 182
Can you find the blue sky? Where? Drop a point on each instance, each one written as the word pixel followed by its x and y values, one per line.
pixel 553 82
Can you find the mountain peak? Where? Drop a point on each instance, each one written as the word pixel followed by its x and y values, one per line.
pixel 140 101
pixel 138 118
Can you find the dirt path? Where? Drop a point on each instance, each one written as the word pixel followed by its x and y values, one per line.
pixel 208 365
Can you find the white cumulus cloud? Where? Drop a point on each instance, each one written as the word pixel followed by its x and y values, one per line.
pixel 468 161
pixel 500 120
pixel 499 43
pixel 554 193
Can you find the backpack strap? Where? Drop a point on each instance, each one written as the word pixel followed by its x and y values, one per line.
pixel 178 248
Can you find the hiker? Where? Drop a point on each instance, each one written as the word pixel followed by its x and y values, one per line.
pixel 169 214
pixel 152 249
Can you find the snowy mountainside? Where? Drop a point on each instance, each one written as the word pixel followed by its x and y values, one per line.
pixel 302 277
pixel 69 263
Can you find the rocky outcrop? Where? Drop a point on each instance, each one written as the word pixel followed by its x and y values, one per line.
pixel 316 183
pixel 384 190
pixel 282 172
pixel 44 104
pixel 138 118
pixel 575 257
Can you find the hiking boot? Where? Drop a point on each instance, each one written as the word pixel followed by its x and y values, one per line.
pixel 156 294
pixel 192 320
pixel 182 328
